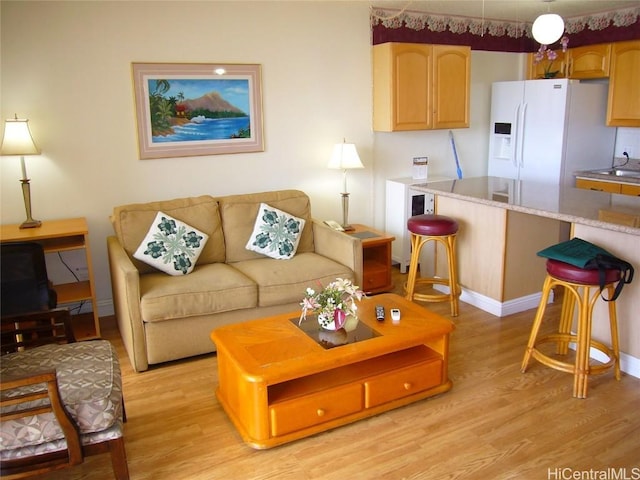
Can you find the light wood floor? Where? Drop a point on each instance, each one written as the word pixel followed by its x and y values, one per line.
pixel 495 423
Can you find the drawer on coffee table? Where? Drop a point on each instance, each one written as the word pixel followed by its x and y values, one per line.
pixel 313 409
pixel 390 386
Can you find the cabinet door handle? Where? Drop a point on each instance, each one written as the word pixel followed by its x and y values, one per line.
pixel 320 412
pixel 407 385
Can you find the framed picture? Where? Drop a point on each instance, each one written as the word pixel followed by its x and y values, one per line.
pixel 197 109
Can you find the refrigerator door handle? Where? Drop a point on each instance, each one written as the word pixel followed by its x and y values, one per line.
pixel 516 136
pixel 521 136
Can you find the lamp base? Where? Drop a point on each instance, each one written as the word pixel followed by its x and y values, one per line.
pixel 347 228
pixel 31 224
pixel 26 194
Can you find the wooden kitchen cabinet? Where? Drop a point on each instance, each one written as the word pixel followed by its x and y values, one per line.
pixel 589 61
pixel 627 189
pixel 420 87
pixel 597 185
pixel 623 109
pixel 611 187
pixel 535 71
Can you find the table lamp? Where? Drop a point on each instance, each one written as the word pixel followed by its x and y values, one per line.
pixel 17 140
pixel 345 157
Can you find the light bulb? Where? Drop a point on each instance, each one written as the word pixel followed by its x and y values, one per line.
pixel 548 28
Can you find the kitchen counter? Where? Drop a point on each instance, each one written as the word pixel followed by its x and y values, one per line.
pixel 578 206
pixel 503 223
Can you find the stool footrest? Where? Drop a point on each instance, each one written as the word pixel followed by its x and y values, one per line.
pixel 571 367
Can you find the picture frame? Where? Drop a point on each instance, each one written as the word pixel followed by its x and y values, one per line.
pixel 192 109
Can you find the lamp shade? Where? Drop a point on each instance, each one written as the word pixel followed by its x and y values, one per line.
pixel 547 28
pixel 17 138
pixel 345 156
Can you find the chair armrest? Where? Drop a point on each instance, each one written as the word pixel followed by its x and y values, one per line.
pixel 338 246
pixel 125 285
pixel 21 398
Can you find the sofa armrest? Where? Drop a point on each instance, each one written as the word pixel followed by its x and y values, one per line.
pixel 125 285
pixel 338 246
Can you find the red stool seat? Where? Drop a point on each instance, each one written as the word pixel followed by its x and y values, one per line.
pixel 571 273
pixel 432 225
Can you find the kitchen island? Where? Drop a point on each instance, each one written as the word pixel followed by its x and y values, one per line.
pixel 504 222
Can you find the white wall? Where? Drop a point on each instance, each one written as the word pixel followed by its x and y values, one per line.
pixel 67 67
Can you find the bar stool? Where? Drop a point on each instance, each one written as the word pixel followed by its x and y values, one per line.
pixel 438 228
pixel 581 287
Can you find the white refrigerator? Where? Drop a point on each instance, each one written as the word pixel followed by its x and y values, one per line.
pixel 544 130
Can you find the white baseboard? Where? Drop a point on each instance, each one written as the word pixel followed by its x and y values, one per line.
pixel 105 308
pixel 628 364
pixel 494 307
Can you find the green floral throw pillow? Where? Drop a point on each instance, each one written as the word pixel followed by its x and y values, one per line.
pixel 171 245
pixel 276 234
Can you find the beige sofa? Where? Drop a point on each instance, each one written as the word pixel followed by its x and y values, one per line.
pixel 163 317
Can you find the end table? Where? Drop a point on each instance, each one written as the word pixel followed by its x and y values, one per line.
pixel 376 258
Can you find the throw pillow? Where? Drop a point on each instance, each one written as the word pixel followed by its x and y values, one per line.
pixel 276 234
pixel 171 246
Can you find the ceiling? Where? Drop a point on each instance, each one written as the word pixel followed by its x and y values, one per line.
pixel 513 10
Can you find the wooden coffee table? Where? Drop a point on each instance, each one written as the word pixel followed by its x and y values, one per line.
pixel 278 382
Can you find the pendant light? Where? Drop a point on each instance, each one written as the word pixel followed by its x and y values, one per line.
pixel 548 28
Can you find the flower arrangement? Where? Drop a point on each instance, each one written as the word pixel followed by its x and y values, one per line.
pixel 551 56
pixel 334 305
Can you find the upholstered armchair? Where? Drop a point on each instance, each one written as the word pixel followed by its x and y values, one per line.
pixel 60 401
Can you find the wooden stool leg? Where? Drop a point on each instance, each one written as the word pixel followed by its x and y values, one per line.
pixel 537 322
pixel 416 246
pixel 583 347
pixel 566 319
pixel 613 321
pixel 454 289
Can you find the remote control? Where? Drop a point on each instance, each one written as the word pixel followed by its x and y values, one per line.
pixel 395 314
pixel 379 313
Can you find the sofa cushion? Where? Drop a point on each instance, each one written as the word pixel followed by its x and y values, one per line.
pixel 171 246
pixel 285 282
pixel 131 223
pixel 209 289
pixel 90 384
pixel 276 234
pixel 238 213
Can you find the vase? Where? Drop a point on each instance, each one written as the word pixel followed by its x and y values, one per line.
pixel 332 338
pixel 351 323
pixel 550 74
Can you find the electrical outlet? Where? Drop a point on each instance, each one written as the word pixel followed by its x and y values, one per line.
pixel 82 273
pixel 430 205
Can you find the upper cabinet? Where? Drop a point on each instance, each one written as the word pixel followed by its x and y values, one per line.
pixel 624 94
pixel 540 69
pixel 420 87
pixel 589 61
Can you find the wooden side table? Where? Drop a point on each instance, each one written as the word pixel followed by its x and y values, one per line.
pixel 60 236
pixel 376 258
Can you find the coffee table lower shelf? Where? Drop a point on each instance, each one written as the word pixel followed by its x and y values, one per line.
pixel 271 403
